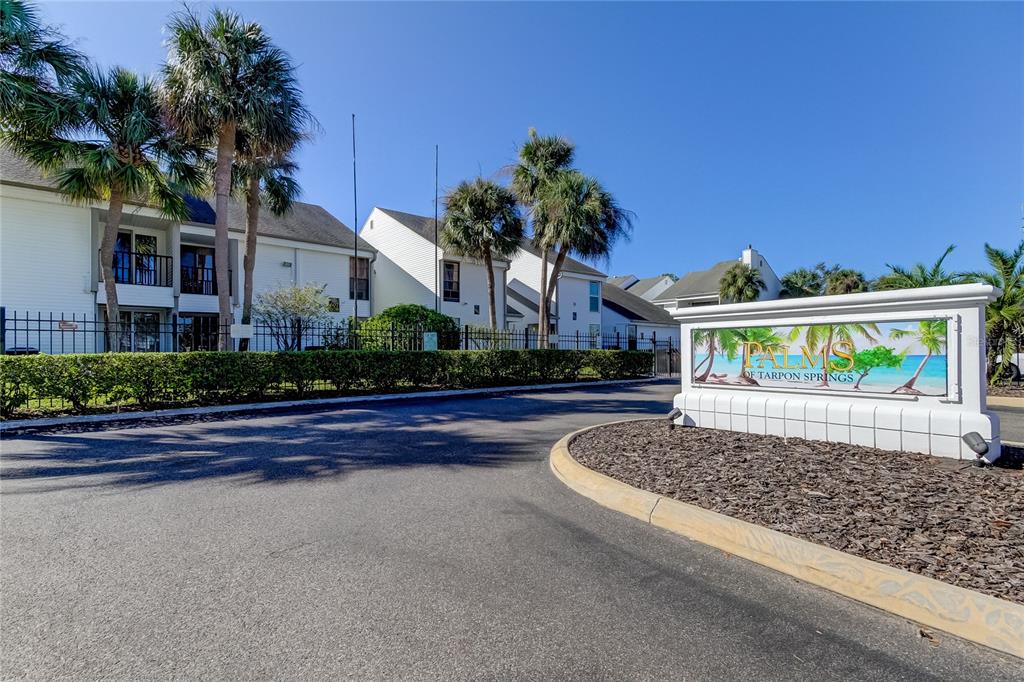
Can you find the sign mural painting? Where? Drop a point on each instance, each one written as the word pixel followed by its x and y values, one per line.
pixel 906 356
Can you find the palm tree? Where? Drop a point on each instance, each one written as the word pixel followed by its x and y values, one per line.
pixel 222 75
pixel 108 140
pixel 740 284
pixel 36 62
pixel 725 339
pixel 823 337
pixel 264 173
pixel 579 217
pixel 481 220
pixel 1004 317
pixel 920 275
pixel 844 281
pixel 261 181
pixel 541 160
pixel 804 282
pixel 931 334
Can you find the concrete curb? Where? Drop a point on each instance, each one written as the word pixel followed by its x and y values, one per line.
pixel 26 425
pixel 1003 401
pixel 970 615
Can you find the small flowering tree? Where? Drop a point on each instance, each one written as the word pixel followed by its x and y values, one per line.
pixel 290 312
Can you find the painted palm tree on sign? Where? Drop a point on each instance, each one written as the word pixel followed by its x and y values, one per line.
pixel 920 275
pixel 724 340
pixel 107 140
pixel 821 338
pixel 1004 317
pixel 931 335
pixel 36 62
pixel 542 158
pixel 581 218
pixel 740 284
pixel 222 75
pixel 481 220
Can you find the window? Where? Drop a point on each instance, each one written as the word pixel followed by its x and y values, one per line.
pixel 197 271
pixel 595 331
pixel 574 316
pixel 334 304
pixel 139 331
pixel 450 291
pixel 595 297
pixel 359 278
pixel 476 310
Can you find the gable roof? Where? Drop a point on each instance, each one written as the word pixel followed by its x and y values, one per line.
pixel 570 265
pixel 304 222
pixel 698 283
pixel 640 286
pixel 619 280
pixel 423 226
pixel 633 307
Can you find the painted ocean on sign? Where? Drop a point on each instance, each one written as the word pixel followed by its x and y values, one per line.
pixel 868 357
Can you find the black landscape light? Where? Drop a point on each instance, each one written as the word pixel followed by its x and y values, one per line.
pixel 976 442
pixel 675 414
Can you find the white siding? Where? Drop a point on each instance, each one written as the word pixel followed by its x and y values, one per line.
pixel 404 272
pixel 572 294
pixel 45 254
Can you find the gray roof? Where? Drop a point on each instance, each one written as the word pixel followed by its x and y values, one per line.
pixel 570 265
pixel 522 300
pixel 304 222
pixel 619 280
pixel 634 307
pixel 640 286
pixel 699 283
pixel 512 312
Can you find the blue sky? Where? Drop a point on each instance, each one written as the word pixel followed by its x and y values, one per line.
pixel 851 133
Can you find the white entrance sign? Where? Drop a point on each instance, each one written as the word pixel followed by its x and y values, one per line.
pixel 241 331
pixel 429 340
pixel 897 370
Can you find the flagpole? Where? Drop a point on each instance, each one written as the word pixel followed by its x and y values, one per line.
pixel 355 225
pixel 437 265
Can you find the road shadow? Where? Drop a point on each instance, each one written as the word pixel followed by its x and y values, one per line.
pixel 307 445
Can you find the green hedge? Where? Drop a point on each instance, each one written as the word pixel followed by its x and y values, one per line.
pixel 78 382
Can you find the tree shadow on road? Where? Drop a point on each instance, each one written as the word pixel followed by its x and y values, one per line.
pixel 308 445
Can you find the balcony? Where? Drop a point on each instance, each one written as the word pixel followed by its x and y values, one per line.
pixel 142 269
pixel 202 281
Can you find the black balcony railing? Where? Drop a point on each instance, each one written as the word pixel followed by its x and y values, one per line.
pixel 144 269
pixel 196 280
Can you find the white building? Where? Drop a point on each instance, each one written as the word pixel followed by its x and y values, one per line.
pixel 647 288
pixel 49 266
pixel 628 321
pixel 411 267
pixel 576 303
pixel 701 287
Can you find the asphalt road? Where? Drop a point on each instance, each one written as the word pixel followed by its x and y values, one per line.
pixel 422 540
pixel 1011 423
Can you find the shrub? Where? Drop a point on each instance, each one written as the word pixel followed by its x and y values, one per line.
pixel 376 332
pixel 149 379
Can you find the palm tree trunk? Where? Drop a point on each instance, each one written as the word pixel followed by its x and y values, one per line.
pixel 252 215
pixel 711 358
pixel 492 314
pixel 827 353
pixel 222 186
pixel 542 317
pixel 912 380
pixel 114 213
pixel 556 268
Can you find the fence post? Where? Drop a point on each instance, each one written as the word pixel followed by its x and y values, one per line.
pixel 618 343
pixel 577 339
pixel 174 332
pixel 3 329
pixel 393 336
pixel 465 337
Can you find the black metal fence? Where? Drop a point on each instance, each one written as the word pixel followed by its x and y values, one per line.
pixel 23 333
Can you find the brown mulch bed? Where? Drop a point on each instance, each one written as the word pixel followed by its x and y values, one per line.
pixel 939 517
pixel 1006 390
